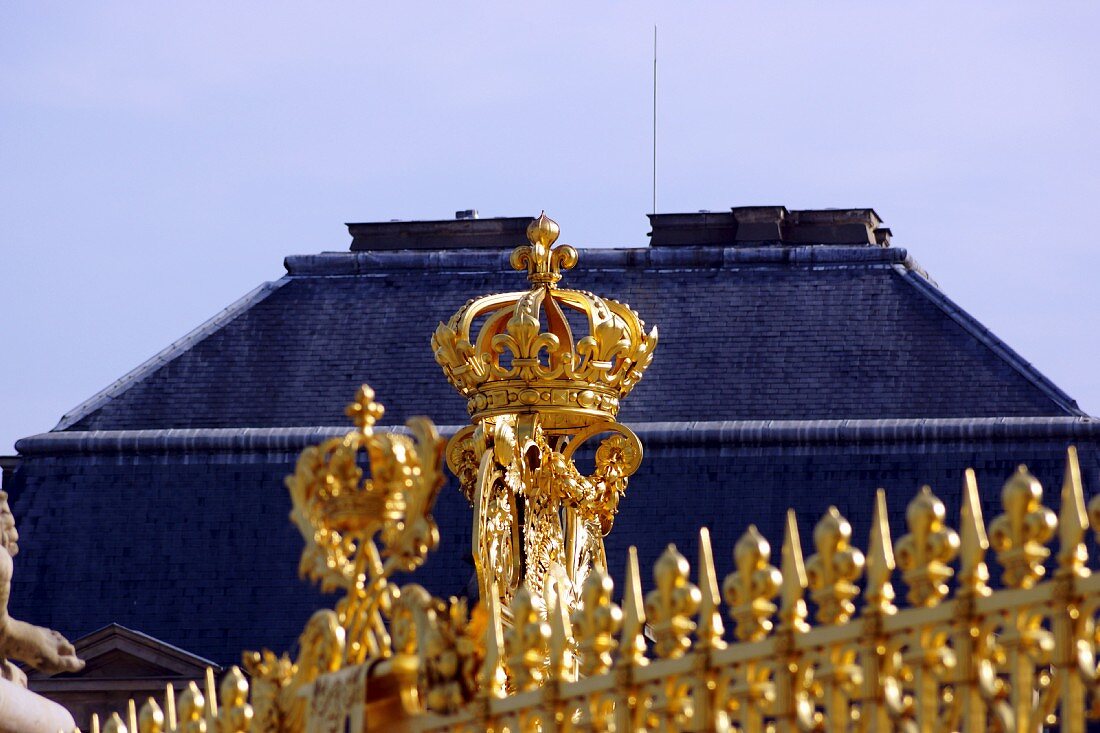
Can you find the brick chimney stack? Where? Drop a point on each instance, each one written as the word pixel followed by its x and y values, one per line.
pixel 749 226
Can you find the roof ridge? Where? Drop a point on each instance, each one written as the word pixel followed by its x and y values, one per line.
pixel 169 353
pixel 923 285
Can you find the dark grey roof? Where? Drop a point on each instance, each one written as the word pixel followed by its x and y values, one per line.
pixel 792 333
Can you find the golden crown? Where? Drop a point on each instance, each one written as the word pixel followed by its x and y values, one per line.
pixel 524 357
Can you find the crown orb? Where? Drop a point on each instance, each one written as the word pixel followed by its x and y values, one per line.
pixel 543 231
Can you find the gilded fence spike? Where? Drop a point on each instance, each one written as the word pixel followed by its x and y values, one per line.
pixel 235 715
pixel 973 572
pixel 561 667
pixel 671 604
pixel 750 588
pixel 131 716
pixel 833 569
pixel 151 717
pixel 527 642
pixel 632 646
pixel 170 707
pixel 492 678
pixel 792 610
pixel 710 631
pixel 879 593
pixel 211 698
pixel 95 723
pixel 1073 521
pixel 1020 534
pixel 596 623
pixel 114 725
pixel 191 704
pixel 923 554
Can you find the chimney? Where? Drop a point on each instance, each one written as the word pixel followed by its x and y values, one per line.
pixel 758 226
pixel 465 231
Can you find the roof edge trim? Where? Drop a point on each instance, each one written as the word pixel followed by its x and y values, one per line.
pixel 596 258
pixel 168 354
pixel 991 341
pixel 741 432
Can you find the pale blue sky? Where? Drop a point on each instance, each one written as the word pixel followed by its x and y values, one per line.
pixel 158 160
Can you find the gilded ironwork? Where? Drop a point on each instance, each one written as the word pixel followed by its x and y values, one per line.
pixel 1017 659
pixel 536 393
pixel 547 647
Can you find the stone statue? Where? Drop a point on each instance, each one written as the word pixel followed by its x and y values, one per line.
pixel 44 649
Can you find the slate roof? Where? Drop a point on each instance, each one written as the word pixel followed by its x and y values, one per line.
pixel 792 333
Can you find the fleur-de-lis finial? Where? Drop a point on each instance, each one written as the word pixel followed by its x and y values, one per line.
pixel 1020 534
pixel 114 724
pixel 151 717
pixel 527 642
pixel 540 258
pixel 596 623
pixel 237 714
pixel 834 568
pixel 923 554
pixel 191 711
pixel 671 604
pixel 750 588
pixel 364 411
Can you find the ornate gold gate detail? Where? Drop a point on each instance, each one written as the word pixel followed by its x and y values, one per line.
pixel 536 393
pixel 822 643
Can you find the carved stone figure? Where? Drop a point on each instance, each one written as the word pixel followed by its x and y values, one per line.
pixel 44 649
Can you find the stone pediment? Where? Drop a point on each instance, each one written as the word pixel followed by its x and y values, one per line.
pixel 119 663
pixel 116 652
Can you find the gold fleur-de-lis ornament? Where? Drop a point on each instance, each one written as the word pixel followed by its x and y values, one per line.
pixel 527 642
pixel 236 714
pixel 596 623
pixel 923 554
pixel 1020 534
pixel 191 711
pixel 750 588
pixel 151 717
pixel 670 606
pixel 364 411
pixel 833 570
pixel 540 258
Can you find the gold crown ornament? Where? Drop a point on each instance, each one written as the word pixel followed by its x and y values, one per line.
pixel 537 391
pixel 517 353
